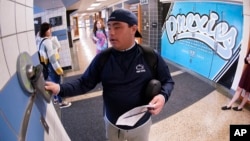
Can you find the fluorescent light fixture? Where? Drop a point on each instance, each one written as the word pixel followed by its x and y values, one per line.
pixel 90 8
pixel 95 4
pixel 101 0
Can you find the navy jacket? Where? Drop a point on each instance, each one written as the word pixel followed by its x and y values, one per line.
pixel 124 78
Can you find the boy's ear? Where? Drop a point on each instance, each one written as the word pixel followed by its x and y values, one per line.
pixel 134 28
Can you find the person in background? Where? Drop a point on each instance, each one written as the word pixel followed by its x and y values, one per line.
pixel 244 84
pixel 124 78
pixel 99 36
pixel 49 55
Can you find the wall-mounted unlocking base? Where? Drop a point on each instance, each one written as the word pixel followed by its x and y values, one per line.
pixel 23 61
pixel 32 81
pixel 38 82
pixel 31 77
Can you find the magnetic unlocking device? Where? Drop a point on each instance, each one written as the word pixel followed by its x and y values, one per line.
pixel 32 81
pixel 37 80
pixel 31 77
pixel 24 64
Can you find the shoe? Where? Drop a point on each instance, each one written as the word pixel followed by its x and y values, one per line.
pixel 65 104
pixel 225 108
pixel 237 109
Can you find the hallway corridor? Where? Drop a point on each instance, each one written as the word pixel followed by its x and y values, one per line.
pixel 184 118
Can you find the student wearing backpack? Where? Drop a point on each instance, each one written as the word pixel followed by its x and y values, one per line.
pixel 49 57
pixel 124 77
pixel 99 36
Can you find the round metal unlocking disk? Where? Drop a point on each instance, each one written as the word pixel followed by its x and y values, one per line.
pixel 23 61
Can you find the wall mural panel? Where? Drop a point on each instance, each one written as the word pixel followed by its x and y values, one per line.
pixel 204 37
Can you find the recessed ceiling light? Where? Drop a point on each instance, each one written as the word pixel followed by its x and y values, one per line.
pixel 90 8
pixel 95 4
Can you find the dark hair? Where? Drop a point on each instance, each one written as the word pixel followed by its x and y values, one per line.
pixel 95 28
pixel 44 28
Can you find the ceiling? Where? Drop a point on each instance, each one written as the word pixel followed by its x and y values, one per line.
pixel 79 5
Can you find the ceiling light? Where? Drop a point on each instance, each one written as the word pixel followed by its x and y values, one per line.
pixel 101 0
pixel 95 4
pixel 90 8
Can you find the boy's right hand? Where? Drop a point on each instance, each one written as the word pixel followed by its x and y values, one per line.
pixel 54 88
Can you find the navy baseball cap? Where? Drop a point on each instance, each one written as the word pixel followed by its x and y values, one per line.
pixel 123 15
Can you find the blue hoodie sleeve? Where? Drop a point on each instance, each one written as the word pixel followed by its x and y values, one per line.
pixel 163 75
pixel 83 84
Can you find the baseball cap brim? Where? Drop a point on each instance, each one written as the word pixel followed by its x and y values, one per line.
pixel 138 34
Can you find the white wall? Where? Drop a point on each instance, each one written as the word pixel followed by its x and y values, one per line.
pixel 65 59
pixel 245 43
pixel 16 35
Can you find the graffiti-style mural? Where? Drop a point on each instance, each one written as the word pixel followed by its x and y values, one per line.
pixel 204 37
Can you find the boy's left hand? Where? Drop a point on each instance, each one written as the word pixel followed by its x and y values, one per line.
pixel 158 103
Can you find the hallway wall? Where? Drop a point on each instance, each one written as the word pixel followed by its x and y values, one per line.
pixel 17 35
pixel 192 37
pixel 60 31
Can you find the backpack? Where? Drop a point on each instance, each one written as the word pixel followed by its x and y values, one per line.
pixel 148 54
pixel 45 67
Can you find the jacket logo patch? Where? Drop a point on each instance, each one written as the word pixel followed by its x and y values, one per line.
pixel 140 68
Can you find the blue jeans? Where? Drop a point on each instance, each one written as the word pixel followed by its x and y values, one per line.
pixel 54 77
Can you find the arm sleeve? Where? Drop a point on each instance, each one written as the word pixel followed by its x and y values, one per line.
pixel 163 75
pixel 51 54
pixel 93 37
pixel 83 84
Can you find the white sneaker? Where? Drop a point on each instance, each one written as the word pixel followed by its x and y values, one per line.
pixel 65 104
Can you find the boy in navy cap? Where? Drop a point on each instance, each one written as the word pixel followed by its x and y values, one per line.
pixel 124 77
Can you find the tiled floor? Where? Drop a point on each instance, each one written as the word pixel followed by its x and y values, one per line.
pixel 202 121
